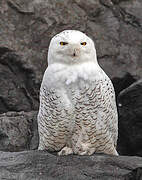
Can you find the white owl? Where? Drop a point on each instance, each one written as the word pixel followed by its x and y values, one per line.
pixel 77 113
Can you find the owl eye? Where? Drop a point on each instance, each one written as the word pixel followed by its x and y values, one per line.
pixel 63 43
pixel 83 43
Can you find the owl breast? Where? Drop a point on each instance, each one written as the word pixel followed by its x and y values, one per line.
pixel 78 111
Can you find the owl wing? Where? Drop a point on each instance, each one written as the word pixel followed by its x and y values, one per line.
pixel 109 106
pixel 95 102
pixel 54 116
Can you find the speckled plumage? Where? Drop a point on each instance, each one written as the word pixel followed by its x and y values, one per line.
pixel 77 111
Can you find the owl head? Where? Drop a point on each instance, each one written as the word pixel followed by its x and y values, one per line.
pixel 71 47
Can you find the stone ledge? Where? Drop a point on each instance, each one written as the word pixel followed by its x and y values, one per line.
pixel 41 165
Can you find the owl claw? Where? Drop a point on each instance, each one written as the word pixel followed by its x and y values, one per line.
pixel 65 151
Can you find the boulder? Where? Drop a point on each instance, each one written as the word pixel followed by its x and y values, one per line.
pixel 130 120
pixel 19 90
pixel 122 83
pixel 18 131
pixel 41 165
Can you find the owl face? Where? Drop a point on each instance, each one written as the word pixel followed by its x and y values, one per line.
pixel 71 47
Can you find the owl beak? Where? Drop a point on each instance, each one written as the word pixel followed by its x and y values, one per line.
pixel 76 52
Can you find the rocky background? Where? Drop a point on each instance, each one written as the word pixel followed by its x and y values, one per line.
pixel 26 28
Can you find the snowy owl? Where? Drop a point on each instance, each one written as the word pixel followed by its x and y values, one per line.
pixel 77 113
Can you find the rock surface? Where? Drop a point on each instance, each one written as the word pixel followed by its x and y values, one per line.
pixel 18 88
pixel 18 131
pixel 40 165
pixel 130 120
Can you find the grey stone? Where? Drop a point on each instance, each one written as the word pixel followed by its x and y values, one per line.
pixel 18 88
pixel 18 131
pixel 40 165
pixel 130 120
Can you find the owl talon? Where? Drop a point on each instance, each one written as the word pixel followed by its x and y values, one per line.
pixel 65 151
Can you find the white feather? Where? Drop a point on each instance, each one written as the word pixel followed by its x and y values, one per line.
pixel 77 111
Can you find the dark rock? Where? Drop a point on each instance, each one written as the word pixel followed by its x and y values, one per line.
pixel 18 131
pixel 130 120
pixel 122 83
pixel 18 87
pixel 40 165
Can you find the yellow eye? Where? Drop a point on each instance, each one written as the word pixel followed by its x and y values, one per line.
pixel 63 43
pixel 83 43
